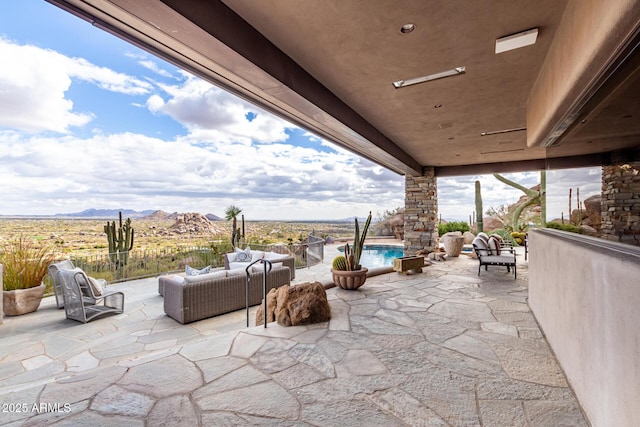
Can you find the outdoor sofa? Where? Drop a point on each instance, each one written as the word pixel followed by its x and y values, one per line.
pixel 490 250
pixel 191 298
pixel 231 261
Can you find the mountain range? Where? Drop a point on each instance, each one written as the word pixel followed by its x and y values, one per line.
pixel 150 214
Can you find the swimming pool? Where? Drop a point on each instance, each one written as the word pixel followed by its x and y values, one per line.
pixel 378 255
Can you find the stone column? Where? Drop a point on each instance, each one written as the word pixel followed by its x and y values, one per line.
pixel 420 212
pixel 621 203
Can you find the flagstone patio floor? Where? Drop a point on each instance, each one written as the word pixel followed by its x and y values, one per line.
pixel 440 348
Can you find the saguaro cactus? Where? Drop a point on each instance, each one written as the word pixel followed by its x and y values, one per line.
pixel 120 241
pixel 479 207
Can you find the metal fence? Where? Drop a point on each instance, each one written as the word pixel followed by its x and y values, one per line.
pixel 153 262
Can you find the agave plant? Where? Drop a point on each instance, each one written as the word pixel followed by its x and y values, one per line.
pixel 350 261
pixel 24 263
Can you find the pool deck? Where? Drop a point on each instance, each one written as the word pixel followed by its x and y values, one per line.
pixel 440 348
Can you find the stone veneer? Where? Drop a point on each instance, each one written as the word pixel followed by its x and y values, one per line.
pixel 621 203
pixel 420 213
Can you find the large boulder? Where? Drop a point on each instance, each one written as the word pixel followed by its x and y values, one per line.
pixel 492 223
pixel 468 237
pixel 301 304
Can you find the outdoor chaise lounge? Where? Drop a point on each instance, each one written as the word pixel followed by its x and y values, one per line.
pixel 81 302
pixel 191 298
pixel 490 253
pixel 57 285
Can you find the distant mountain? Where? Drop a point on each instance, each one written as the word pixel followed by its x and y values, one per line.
pixel 212 217
pixel 106 213
pixel 157 216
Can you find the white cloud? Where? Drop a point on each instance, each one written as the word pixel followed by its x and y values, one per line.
pixel 214 116
pixel 33 83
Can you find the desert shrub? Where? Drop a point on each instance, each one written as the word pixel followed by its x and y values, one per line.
pixel 453 226
pixel 564 227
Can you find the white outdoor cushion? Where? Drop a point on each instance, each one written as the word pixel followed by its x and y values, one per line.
pixel 260 267
pixel 238 265
pixel 494 246
pixel 273 256
pixel 190 271
pixel 209 276
pixel 256 255
pixel 483 248
pixel 236 272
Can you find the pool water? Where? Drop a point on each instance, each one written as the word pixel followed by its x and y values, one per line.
pixel 379 255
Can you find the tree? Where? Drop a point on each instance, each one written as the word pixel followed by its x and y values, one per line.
pixel 231 213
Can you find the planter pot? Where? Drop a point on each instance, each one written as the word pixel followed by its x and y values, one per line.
pixel 453 245
pixel 22 301
pixel 349 280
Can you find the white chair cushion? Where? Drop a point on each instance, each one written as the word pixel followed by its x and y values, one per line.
pixel 483 248
pixel 209 276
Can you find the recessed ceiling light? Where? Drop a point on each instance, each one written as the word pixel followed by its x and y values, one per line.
pixel 516 41
pixel 454 72
pixel 407 28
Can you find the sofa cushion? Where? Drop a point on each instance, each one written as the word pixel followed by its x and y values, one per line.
pixel 236 272
pixel 256 255
pixel 238 265
pixel 260 267
pixel 220 274
pixel 190 271
pixel 274 256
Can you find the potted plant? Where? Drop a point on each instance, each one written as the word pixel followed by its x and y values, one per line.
pixel 346 269
pixel 25 264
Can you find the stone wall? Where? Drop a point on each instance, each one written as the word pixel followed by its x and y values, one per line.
pixel 621 203
pixel 420 214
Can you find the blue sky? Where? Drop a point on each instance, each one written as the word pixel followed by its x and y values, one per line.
pixel 90 121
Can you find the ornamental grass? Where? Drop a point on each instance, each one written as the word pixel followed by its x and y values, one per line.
pixel 24 263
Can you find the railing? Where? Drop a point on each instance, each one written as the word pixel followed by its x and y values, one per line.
pixel 305 254
pixel 148 262
pixel 153 262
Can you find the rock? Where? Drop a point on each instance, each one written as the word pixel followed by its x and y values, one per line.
pixel 301 304
pixel 588 230
pixel 492 223
pixel 194 223
pixel 593 205
pixel 468 237
pixel 436 256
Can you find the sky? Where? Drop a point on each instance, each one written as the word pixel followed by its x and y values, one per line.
pixel 90 121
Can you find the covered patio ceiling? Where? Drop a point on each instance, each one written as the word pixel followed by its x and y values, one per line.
pixel 571 99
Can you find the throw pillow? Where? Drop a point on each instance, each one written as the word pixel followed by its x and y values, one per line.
pixel 494 245
pixel 190 271
pixel 95 286
pixel 243 255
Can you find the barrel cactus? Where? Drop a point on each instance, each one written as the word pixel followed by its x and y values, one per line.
pixel 339 263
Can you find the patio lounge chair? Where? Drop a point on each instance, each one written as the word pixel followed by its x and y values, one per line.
pixel 80 301
pixel 57 285
pixel 506 257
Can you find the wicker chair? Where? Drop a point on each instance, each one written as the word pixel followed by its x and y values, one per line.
pixel 57 285
pixel 80 301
